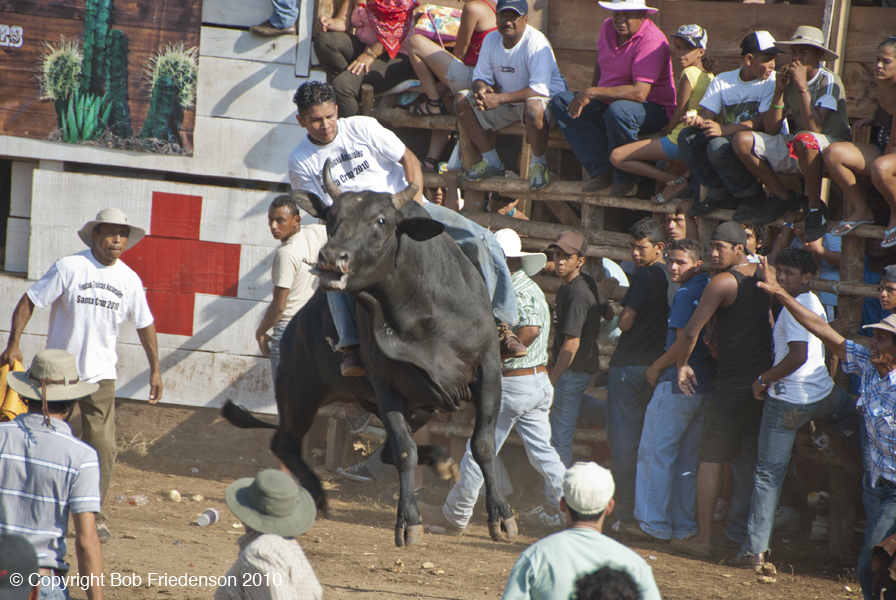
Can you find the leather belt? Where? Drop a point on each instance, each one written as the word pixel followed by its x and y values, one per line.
pixel 526 371
pixel 43 571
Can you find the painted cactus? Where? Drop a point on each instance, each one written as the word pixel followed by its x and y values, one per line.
pixel 117 84
pixel 172 75
pixel 162 120
pixel 97 25
pixel 59 73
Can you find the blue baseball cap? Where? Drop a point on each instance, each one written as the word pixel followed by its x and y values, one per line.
pixel 521 7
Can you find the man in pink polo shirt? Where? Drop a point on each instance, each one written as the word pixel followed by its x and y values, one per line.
pixel 633 91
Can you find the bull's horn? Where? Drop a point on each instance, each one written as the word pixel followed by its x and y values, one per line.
pixel 405 195
pixel 329 185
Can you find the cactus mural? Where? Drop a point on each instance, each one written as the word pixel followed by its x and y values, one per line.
pixel 117 84
pixel 171 75
pixel 97 23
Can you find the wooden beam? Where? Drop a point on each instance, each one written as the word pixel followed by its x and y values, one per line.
pixel 834 27
pixel 564 213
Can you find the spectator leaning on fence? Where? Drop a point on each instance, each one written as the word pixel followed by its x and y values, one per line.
pixel 876 367
pixel 513 81
pixel 734 102
pixel 796 390
pixel 814 97
pixel 632 91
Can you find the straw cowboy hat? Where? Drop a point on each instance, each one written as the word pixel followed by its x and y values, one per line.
pixel 533 262
pixel 807 36
pixel 271 502
pixel 57 372
pixel 627 5
pixel 114 216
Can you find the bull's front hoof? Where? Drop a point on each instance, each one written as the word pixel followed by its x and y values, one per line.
pixel 447 470
pixel 408 536
pixel 505 526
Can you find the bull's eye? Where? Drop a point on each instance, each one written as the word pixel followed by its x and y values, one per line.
pixel 381 221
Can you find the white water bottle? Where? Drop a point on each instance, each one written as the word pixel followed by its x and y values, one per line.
pixel 208 517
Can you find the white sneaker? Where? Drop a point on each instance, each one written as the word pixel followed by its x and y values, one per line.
pixel 540 519
pixel 820 528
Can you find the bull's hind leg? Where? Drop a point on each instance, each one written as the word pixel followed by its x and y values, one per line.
pixel 297 404
pixel 393 408
pixel 487 399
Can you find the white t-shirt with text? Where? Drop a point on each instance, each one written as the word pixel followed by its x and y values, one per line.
pixel 530 63
pixel 363 157
pixel 811 382
pixel 88 301
pixel 735 100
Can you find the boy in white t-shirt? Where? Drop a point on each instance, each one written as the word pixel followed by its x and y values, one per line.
pixel 733 102
pixel 796 390
pixel 514 80
pixel 365 156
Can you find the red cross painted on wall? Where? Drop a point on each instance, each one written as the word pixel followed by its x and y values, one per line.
pixel 175 265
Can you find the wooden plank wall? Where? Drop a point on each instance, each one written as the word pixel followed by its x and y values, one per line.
pixel 573 26
pixel 148 26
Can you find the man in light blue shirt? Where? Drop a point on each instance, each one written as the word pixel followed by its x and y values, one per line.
pixel 550 567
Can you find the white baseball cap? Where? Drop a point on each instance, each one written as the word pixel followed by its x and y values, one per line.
pixel 533 262
pixel 588 488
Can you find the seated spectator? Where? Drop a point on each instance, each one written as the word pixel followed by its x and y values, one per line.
pixel 273 510
pixel 796 390
pixel 666 487
pixel 502 205
pixel 18 560
pixel 733 103
pixel 579 307
pixel 549 568
pixel 846 160
pixel 371 54
pixel 643 323
pixel 42 459
pixel 632 93
pixel 435 195
pixel 511 85
pixel 814 97
pixel 640 157
pixel 433 63
pixel 606 583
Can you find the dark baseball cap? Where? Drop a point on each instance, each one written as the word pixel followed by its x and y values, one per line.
pixel 730 232
pixel 18 562
pixel 571 242
pixel 521 7
pixel 758 42
pixel 889 274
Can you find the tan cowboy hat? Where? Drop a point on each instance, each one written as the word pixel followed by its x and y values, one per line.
pixel 116 217
pixel 533 262
pixel 807 36
pixel 57 370
pixel 271 502
pixel 628 5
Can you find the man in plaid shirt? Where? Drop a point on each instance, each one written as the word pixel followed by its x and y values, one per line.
pixel 876 367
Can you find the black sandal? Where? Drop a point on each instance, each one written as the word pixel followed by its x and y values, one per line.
pixel 439 105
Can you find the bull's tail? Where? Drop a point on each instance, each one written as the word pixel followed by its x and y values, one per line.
pixel 240 417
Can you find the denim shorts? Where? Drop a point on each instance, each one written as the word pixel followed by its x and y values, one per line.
pixel 671 150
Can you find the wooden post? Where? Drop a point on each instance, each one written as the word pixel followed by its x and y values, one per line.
pixel 849 308
pixel 366 99
pixel 338 436
pixel 469 154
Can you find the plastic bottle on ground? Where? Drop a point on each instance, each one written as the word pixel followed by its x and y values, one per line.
pixel 208 517
pixel 138 500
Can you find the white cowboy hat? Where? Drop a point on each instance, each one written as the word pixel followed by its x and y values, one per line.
pixel 55 371
pixel 627 5
pixel 807 36
pixel 533 262
pixel 116 217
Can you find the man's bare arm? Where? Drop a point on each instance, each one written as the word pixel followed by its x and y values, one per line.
pixel 271 317
pixel 87 549
pixel 413 173
pixel 567 353
pixel 626 319
pixel 151 347
pixel 527 334
pixel 20 319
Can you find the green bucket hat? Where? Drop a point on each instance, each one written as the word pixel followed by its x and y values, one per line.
pixel 271 502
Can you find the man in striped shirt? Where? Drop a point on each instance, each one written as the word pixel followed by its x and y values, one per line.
pixel 49 474
pixel 526 396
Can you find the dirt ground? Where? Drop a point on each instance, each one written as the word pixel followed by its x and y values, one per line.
pixel 352 551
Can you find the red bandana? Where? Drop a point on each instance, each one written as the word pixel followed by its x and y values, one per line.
pixel 392 20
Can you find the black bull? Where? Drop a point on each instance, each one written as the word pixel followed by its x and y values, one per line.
pixel 427 341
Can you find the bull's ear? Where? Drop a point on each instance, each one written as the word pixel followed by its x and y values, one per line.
pixel 420 229
pixel 310 203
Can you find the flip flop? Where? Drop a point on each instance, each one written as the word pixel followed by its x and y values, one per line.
pixel 660 199
pixel 850 225
pixel 887 234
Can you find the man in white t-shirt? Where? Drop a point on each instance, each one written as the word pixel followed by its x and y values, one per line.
pixel 796 390
pixel 733 102
pixel 90 294
pixel 514 80
pixel 365 156
pixel 293 282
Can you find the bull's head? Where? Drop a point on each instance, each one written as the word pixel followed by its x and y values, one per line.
pixel 364 230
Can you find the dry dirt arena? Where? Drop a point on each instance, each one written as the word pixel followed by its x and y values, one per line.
pixel 195 453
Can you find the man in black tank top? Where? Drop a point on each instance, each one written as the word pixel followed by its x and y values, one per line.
pixel 731 426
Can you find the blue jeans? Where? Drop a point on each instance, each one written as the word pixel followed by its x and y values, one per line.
pixel 570 400
pixel 713 161
pixel 601 128
pixel 276 336
pixel 480 246
pixel 628 394
pixel 50 591
pixel 342 308
pixel 286 12
pixel 881 525
pixel 780 422
pixel 525 404
pixel 666 489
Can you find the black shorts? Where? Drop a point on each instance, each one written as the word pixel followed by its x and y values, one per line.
pixel 730 426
